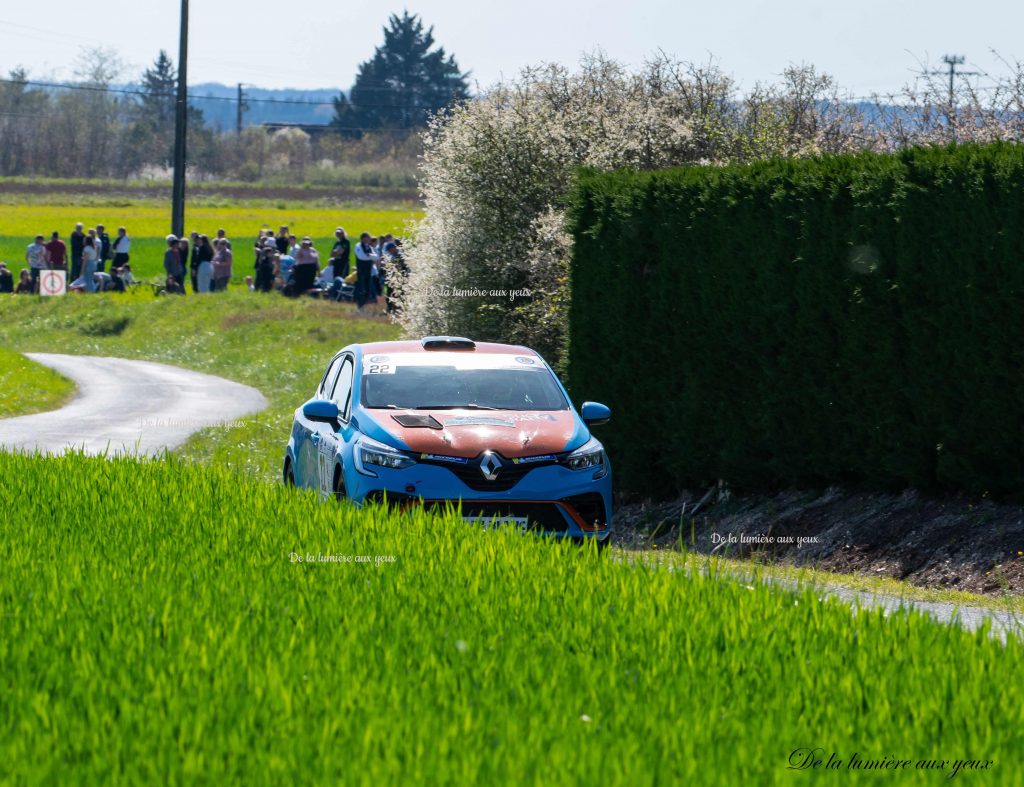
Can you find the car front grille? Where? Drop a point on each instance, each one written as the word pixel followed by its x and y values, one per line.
pixel 509 475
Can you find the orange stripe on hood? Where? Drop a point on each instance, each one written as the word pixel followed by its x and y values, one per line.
pixel 466 433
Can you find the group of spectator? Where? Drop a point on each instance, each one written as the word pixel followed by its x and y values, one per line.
pixel 205 264
pixel 285 263
pixel 282 262
pixel 85 261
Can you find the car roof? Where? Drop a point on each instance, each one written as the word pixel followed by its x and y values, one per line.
pixel 414 346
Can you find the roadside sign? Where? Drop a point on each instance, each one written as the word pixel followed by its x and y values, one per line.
pixel 53 282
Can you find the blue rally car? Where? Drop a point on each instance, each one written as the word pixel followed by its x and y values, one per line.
pixel 446 419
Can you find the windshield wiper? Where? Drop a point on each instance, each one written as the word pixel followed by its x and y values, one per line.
pixel 456 407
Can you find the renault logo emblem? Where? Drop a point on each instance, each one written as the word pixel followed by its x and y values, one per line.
pixel 490 465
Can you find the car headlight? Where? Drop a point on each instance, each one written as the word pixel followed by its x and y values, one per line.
pixel 590 455
pixel 369 453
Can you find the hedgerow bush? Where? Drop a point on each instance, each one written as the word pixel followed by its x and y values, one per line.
pixel 850 319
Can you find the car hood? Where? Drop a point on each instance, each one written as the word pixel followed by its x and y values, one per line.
pixel 466 433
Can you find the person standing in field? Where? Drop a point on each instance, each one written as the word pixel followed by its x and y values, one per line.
pixel 77 244
pixel 204 273
pixel 121 247
pixel 282 240
pixel 366 257
pixel 341 253
pixel 104 239
pixel 35 256
pixel 56 253
pixel 222 235
pixel 306 254
pixel 173 266
pixel 90 259
pixel 222 265
pixel 266 269
pixel 96 243
pixel 193 261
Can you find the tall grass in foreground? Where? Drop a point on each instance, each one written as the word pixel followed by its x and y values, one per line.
pixel 155 629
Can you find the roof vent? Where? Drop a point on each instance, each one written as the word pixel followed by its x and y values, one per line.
pixel 447 343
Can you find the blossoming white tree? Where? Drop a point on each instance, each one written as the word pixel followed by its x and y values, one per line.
pixel 496 171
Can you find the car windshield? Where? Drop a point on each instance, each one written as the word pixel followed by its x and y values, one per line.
pixel 437 387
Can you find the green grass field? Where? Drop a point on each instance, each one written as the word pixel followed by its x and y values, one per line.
pixel 26 387
pixel 148 223
pixel 278 345
pixel 157 629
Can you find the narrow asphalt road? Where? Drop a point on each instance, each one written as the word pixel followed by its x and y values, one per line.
pixel 971 618
pixel 123 406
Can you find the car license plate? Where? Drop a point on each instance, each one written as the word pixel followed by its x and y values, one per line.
pixel 495 521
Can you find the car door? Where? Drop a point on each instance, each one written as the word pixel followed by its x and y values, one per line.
pixel 327 439
pixel 307 433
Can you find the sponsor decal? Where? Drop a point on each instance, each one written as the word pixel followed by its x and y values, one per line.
pixel 459 460
pixel 458 360
pixel 527 459
pixel 478 420
pixel 533 417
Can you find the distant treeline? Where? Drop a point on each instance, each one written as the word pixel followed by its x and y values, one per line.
pixel 95 130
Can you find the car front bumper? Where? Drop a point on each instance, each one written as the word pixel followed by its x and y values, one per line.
pixel 556 501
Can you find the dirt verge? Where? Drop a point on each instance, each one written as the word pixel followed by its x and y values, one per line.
pixel 958 543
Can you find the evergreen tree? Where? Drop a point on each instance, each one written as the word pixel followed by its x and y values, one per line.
pixel 159 83
pixel 404 81
pixel 156 110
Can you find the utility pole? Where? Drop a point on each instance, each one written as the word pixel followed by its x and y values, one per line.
pixel 180 129
pixel 952 61
pixel 242 107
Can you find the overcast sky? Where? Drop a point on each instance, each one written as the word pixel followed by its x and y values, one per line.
pixel 873 45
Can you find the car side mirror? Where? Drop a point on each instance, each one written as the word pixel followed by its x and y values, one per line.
pixel 321 410
pixel 595 413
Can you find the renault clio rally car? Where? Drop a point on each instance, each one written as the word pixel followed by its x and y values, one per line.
pixel 446 419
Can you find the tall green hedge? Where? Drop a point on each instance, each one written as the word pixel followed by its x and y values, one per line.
pixel 855 320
